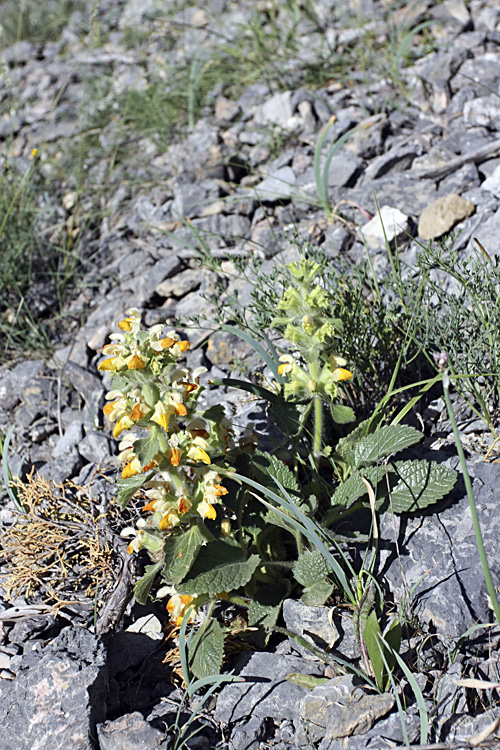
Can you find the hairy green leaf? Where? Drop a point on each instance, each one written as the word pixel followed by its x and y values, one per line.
pixel 342 414
pixel 267 466
pixel 147 448
pixel 310 568
pixel 215 413
pixel 383 442
pixel 143 585
pixel 317 594
pixel 179 553
pixel 128 487
pixel 206 650
pixel 353 488
pixel 370 633
pixel 218 567
pixel 265 607
pixel 418 484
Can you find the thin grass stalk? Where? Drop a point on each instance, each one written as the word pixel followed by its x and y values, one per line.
pixel 472 502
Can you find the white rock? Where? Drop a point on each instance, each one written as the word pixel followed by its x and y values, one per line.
pixel 277 110
pixel 492 183
pixel 280 184
pixel 389 222
pixel 148 625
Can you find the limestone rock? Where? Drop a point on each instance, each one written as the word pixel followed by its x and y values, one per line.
pixel 389 224
pixel 339 709
pixel 442 214
pixel 57 696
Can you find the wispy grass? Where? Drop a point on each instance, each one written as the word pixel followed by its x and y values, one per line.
pixel 33 20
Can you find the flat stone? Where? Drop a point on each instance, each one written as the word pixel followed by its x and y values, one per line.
pixel 440 551
pixel 339 709
pixel 69 441
pixel 483 112
pixel 492 183
pixel 279 184
pixel 277 110
pixel 388 225
pixel 442 215
pixel 488 233
pixel 312 623
pixel 344 169
pixel 226 110
pixel 129 732
pixel 97 447
pixel 58 695
pixel 181 284
pixel 265 692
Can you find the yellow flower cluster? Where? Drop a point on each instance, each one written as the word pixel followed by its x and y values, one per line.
pixel 155 394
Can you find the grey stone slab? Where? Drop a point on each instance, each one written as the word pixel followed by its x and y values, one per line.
pixel 265 692
pixel 130 732
pixel 58 695
pixel 440 551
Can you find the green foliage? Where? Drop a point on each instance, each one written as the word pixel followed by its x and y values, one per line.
pixel 218 567
pixel 206 650
pixel 144 584
pixel 382 652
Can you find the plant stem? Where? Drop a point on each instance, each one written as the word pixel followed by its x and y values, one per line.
pixel 472 503
pixel 318 412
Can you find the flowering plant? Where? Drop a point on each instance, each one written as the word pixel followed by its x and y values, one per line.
pixel 223 519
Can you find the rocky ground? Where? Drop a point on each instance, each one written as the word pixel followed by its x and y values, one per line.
pixel 241 170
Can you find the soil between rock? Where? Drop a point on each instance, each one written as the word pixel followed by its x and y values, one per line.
pixel 61 683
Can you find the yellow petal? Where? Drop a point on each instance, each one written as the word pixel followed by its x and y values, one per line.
pixel 125 325
pixel 166 343
pixel 184 345
pixel 343 374
pixel 109 407
pixel 123 424
pixel 129 471
pixel 210 512
pixel 198 454
pixel 107 364
pixel 180 409
pixel 136 363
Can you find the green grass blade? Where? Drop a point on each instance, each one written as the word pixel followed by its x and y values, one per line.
pixel 270 361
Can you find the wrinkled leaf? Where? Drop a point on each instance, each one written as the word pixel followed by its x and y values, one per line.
pixel 147 448
pixel 179 553
pixel 419 484
pixel 310 568
pixel 342 414
pixel 317 594
pixel 353 488
pixel 265 607
pixel 215 413
pixel 218 567
pixel 128 487
pixel 383 442
pixel 206 650
pixel 143 585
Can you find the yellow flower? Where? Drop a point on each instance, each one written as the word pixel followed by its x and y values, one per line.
pixel 124 423
pixel 162 415
pixel 198 454
pixel 206 510
pixel 169 520
pixel 341 374
pixel 136 361
pixel 176 607
pixel 287 365
pixel 131 469
pixel 107 364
